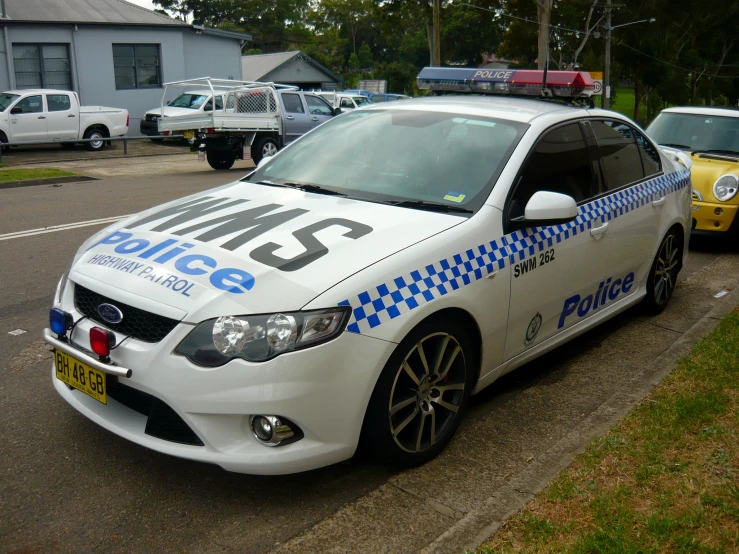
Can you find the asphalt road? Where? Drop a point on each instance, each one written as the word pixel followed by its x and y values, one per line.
pixel 67 485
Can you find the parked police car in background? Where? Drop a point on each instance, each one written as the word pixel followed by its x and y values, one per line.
pixel 365 281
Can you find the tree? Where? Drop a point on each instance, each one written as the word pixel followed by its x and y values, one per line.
pixel 544 13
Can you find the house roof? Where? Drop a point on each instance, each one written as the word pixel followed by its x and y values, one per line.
pixel 255 66
pixel 85 11
pixel 102 12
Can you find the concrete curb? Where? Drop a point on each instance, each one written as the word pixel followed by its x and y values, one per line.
pixel 90 159
pixel 477 526
pixel 45 181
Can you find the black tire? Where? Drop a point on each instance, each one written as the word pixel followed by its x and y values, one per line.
pixel 68 145
pixel 4 139
pixel 266 146
pixel 402 410
pixel 221 160
pixel 95 133
pixel 663 274
pixel 157 140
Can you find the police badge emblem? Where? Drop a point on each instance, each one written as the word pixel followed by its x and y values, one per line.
pixel 533 329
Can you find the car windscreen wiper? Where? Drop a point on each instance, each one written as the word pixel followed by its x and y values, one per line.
pixel 316 189
pixel 671 145
pixel 305 187
pixel 429 206
pixel 724 152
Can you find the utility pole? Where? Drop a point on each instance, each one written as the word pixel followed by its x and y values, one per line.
pixel 436 61
pixel 607 69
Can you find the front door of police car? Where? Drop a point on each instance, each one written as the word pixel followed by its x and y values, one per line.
pixel 555 270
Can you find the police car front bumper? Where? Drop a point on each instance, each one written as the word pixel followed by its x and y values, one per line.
pixel 323 390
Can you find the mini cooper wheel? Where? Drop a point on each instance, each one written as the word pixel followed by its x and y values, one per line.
pixel 663 275
pixel 421 394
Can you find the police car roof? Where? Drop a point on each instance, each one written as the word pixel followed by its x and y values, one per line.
pixel 523 110
pixel 701 110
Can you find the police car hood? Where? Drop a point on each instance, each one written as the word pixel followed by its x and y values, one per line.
pixel 245 248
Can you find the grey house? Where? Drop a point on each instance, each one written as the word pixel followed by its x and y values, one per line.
pixel 289 68
pixel 112 52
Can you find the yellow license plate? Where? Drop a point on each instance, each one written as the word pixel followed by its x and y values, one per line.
pixel 81 376
pixel 189 134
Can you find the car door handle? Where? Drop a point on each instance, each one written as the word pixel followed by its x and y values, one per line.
pixel 658 203
pixel 41 117
pixel 290 117
pixel 314 119
pixel 597 231
pixel 71 115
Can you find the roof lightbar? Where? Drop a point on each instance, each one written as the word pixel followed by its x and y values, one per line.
pixel 523 82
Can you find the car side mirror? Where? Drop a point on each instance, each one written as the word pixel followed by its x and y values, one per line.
pixel 14 111
pixel 337 111
pixel 677 155
pixel 546 208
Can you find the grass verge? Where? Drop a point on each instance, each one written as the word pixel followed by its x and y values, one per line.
pixel 25 174
pixel 665 479
pixel 623 103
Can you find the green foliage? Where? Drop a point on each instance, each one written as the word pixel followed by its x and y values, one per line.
pixel 365 56
pixel 690 55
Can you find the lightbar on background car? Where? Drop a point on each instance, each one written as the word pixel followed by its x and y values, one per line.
pixel 525 82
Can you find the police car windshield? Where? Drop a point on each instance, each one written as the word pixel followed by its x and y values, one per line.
pixel 696 132
pixel 397 155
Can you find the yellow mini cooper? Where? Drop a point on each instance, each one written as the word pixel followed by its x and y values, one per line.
pixel 711 136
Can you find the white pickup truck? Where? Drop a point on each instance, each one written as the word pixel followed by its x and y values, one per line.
pixel 256 119
pixel 46 114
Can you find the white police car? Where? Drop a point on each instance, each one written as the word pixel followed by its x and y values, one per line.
pixel 359 286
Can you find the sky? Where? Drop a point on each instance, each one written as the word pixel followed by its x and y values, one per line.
pixel 143 3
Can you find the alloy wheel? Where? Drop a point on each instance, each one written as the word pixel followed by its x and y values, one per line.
pixel 665 273
pixel 427 392
pixel 269 149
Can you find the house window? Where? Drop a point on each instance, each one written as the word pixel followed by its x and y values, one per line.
pixel 136 66
pixel 42 66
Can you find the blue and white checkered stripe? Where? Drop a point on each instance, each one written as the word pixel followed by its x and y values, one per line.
pixel 404 293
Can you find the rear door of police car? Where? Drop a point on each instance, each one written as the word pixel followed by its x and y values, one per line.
pixel 631 167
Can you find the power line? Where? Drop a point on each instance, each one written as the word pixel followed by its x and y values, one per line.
pixel 673 65
pixel 619 43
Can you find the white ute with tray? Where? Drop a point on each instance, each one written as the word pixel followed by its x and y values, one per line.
pixel 258 119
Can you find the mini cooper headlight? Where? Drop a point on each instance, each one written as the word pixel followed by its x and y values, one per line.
pixel 725 188
pixel 258 338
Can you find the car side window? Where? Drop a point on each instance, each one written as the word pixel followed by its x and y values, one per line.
pixel 619 153
pixel 559 163
pixel 208 107
pixel 219 102
pixel 292 103
pixel 649 155
pixel 347 103
pixel 30 104
pixel 318 106
pixel 58 102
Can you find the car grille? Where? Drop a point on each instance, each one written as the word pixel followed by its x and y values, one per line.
pixel 162 421
pixel 136 323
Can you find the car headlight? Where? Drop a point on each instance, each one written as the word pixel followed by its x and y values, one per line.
pixel 725 188
pixel 258 338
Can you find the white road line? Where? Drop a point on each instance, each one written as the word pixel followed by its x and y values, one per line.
pixel 65 227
